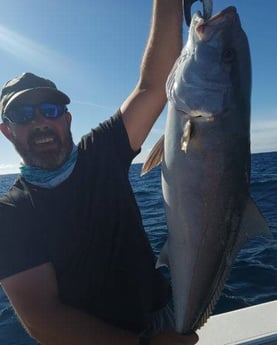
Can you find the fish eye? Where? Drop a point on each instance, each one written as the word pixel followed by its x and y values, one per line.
pixel 228 55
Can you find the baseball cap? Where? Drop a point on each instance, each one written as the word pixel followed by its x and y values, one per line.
pixel 29 83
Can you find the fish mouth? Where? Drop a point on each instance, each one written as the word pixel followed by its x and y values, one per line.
pixel 229 11
pixel 206 28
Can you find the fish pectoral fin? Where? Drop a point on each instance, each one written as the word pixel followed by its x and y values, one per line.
pixel 155 157
pixel 163 257
pixel 187 131
pixel 253 223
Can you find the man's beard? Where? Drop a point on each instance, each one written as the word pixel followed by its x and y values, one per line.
pixel 48 159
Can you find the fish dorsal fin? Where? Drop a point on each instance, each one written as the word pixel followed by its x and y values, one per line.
pixel 163 257
pixel 155 156
pixel 253 223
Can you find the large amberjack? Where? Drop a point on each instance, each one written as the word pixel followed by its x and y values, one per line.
pixel 206 165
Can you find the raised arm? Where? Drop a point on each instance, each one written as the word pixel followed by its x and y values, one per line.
pixel 143 106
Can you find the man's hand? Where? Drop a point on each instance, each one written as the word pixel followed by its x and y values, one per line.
pixel 172 338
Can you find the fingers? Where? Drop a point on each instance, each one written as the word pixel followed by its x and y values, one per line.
pixel 192 338
pixel 172 338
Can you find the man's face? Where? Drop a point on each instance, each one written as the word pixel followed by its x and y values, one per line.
pixel 43 142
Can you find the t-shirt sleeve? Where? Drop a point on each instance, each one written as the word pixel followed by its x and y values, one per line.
pixel 112 137
pixel 22 246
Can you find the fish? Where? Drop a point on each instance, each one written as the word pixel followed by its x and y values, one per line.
pixel 205 165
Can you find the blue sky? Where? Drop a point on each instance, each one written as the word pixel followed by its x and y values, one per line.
pixel 92 51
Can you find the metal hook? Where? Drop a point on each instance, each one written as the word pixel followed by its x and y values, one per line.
pixel 207 9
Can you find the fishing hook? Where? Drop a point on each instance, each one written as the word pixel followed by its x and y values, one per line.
pixel 207 9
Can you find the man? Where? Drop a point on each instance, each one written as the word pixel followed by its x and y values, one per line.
pixel 74 259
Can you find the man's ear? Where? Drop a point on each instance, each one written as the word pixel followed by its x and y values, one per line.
pixel 5 129
pixel 68 118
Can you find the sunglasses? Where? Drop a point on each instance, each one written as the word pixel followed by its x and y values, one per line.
pixel 23 114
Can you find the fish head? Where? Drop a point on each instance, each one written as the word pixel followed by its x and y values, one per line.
pixel 213 71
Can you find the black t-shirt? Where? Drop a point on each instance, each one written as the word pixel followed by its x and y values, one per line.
pixel 90 228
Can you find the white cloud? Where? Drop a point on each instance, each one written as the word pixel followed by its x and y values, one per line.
pixel 93 105
pixel 8 169
pixel 264 136
pixel 32 52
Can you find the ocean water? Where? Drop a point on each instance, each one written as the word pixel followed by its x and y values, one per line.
pixel 253 278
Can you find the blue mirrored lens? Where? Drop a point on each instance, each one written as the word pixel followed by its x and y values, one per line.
pixel 51 110
pixel 21 114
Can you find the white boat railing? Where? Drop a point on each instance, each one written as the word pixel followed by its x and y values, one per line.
pixel 255 325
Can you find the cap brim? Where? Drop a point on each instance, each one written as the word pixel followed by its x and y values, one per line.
pixel 40 94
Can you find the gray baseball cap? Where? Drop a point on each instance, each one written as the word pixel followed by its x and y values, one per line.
pixel 29 83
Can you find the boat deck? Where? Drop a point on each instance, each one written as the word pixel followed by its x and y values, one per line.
pixel 256 325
